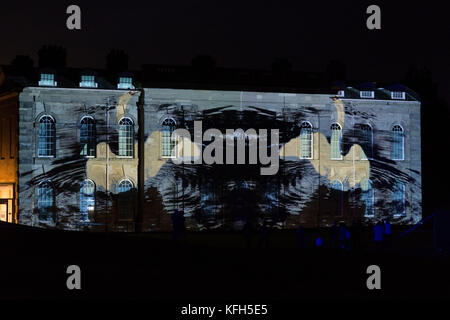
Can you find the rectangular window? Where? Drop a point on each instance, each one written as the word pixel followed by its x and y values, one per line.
pixel 367 94
pixel 48 80
pixel 88 82
pixel 125 83
pixel 398 95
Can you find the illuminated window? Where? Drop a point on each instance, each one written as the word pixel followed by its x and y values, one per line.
pixel 399 199
pixel 125 199
pixel 397 142
pixel 46 139
pixel 337 194
pixel 87 137
pixel 367 196
pixel 125 83
pixel 306 140
pixel 45 195
pixel 367 94
pixel 336 141
pixel 88 82
pixel 366 141
pixel 87 199
pixel 126 137
pixel 167 144
pixel 398 95
pixel 48 80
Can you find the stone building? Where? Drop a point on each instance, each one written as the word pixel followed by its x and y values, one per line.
pixel 102 158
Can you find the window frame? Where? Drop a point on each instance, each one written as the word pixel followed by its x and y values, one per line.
pixel 51 211
pixel 162 137
pixel 340 141
pixel 311 140
pixel 53 155
pixel 127 144
pixel 89 197
pixel 372 198
pixel 403 191
pixel 371 141
pixel 94 138
pixel 393 153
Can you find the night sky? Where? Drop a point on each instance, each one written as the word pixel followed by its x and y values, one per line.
pixel 239 34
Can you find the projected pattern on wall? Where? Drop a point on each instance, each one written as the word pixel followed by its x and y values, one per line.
pixel 345 174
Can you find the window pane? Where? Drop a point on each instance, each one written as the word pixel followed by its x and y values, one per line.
pixel 88 137
pixel 167 144
pixel 397 143
pixel 45 201
pixel 336 138
pixel 306 141
pixel 87 199
pixel 46 137
pixel 126 137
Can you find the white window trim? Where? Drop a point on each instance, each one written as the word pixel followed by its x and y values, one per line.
pixel 363 92
pixel 39 122
pixel 340 142
pixel 402 95
pixel 312 142
pixel 161 141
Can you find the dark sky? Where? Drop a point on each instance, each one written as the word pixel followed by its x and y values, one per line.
pixel 239 34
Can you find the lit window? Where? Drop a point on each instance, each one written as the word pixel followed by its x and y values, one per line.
pixel 341 93
pixel 399 199
pixel 306 140
pixel 398 95
pixel 336 141
pixel 87 137
pixel 366 141
pixel 167 144
pixel 397 142
pixel 367 197
pixel 45 201
pixel 367 94
pixel 125 83
pixel 125 199
pixel 87 199
pixel 126 137
pixel 337 194
pixel 46 137
pixel 47 79
pixel 88 82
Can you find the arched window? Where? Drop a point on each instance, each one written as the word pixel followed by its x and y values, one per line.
pixel 87 199
pixel 397 142
pixel 87 137
pixel 126 137
pixel 306 140
pixel 399 199
pixel 336 141
pixel 167 144
pixel 366 140
pixel 46 139
pixel 337 194
pixel 45 200
pixel 367 196
pixel 125 201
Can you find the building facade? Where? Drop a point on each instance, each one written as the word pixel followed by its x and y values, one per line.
pixel 104 160
pixel 8 155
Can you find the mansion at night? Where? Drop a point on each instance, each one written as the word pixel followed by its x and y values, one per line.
pixel 97 157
